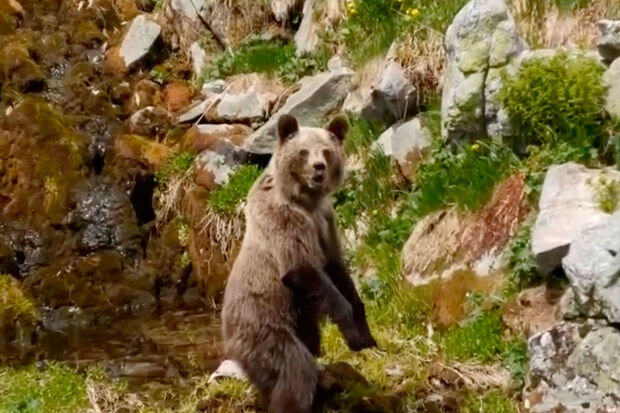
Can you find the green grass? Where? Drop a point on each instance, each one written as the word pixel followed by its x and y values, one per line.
pixel 227 198
pixel 373 25
pixel 54 389
pixel 494 401
pixel 176 166
pixel 464 177
pixel 259 56
pixel 556 100
pixel 479 338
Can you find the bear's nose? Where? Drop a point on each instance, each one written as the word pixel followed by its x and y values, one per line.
pixel 319 166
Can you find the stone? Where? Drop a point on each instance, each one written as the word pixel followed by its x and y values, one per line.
pixel 150 121
pixel 318 97
pixel 574 368
pixel 393 97
pixel 138 40
pixel 214 88
pixel 228 369
pixel 192 9
pixel 214 166
pixel 248 106
pixel 307 37
pixel 532 311
pixel 336 63
pixel 199 58
pixel 480 42
pixel 568 204
pixel 201 137
pixel 406 144
pixel 142 150
pixel 612 79
pixel 195 111
pixel 282 9
pixel 593 269
pixel 608 42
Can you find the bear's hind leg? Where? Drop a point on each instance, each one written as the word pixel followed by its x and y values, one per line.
pixel 297 380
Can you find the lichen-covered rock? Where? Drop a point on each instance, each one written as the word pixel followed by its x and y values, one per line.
pixel 138 40
pixel 569 203
pixel 392 97
pixel 406 144
pixel 199 58
pixel 593 268
pixel 215 165
pixel 150 121
pixel 612 79
pixel 574 368
pixel 202 137
pixel 608 42
pixel 247 106
pixel 318 97
pixel 482 39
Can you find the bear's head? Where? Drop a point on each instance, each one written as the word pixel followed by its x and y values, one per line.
pixel 309 162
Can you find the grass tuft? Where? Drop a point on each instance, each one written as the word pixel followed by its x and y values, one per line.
pixel 176 166
pixel 14 305
pixel 227 199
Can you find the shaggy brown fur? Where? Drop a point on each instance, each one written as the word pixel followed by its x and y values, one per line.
pixel 290 272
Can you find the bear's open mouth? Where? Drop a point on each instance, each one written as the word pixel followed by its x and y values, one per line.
pixel 318 178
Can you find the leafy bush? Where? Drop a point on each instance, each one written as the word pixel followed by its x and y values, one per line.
pixel 227 198
pixel 465 177
pixel 480 338
pixel 55 389
pixel 556 100
pixel 521 261
pixel 259 56
pixel 175 167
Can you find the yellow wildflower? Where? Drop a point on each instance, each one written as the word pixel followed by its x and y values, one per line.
pixel 413 13
pixel 475 147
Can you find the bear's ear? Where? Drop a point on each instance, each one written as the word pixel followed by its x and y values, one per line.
pixel 287 127
pixel 339 127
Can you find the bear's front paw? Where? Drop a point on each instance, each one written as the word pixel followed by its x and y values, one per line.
pixel 360 342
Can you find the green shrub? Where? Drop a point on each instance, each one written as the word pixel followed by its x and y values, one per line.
pixel 465 177
pixel 260 56
pixel 227 198
pixel 176 166
pixel 558 99
pixel 55 389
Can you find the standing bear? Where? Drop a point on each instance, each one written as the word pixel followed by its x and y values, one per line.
pixel 290 273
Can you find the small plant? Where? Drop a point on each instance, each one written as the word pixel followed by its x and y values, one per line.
pixel 556 100
pixel 174 167
pixel 607 192
pixel 259 56
pixel 515 358
pixel 159 74
pixel 521 261
pixel 14 305
pixel 227 199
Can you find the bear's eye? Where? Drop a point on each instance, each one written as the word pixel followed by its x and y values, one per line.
pixel 327 155
pixel 303 153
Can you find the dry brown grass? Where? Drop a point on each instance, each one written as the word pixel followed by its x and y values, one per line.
pixel 423 61
pixel 452 237
pixel 561 28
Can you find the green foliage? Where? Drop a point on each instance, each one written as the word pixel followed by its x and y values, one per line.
pixel 159 74
pixel 553 100
pixel 227 198
pixel 55 389
pixel 607 191
pixel 176 166
pixel 373 25
pixel 495 401
pixel 515 358
pixel 260 56
pixel 521 261
pixel 465 177
pixel 14 305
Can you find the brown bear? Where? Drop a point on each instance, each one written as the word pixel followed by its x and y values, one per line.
pixel 290 273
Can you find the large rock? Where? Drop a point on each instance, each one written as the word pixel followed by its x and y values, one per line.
pixel 568 204
pixel 574 368
pixel 307 36
pixel 593 268
pixel 481 40
pixel 247 106
pixel 318 97
pixel 393 97
pixel 406 144
pixel 608 42
pixel 138 40
pixel 215 165
pixel 192 9
pixel 612 79
pixel 202 137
